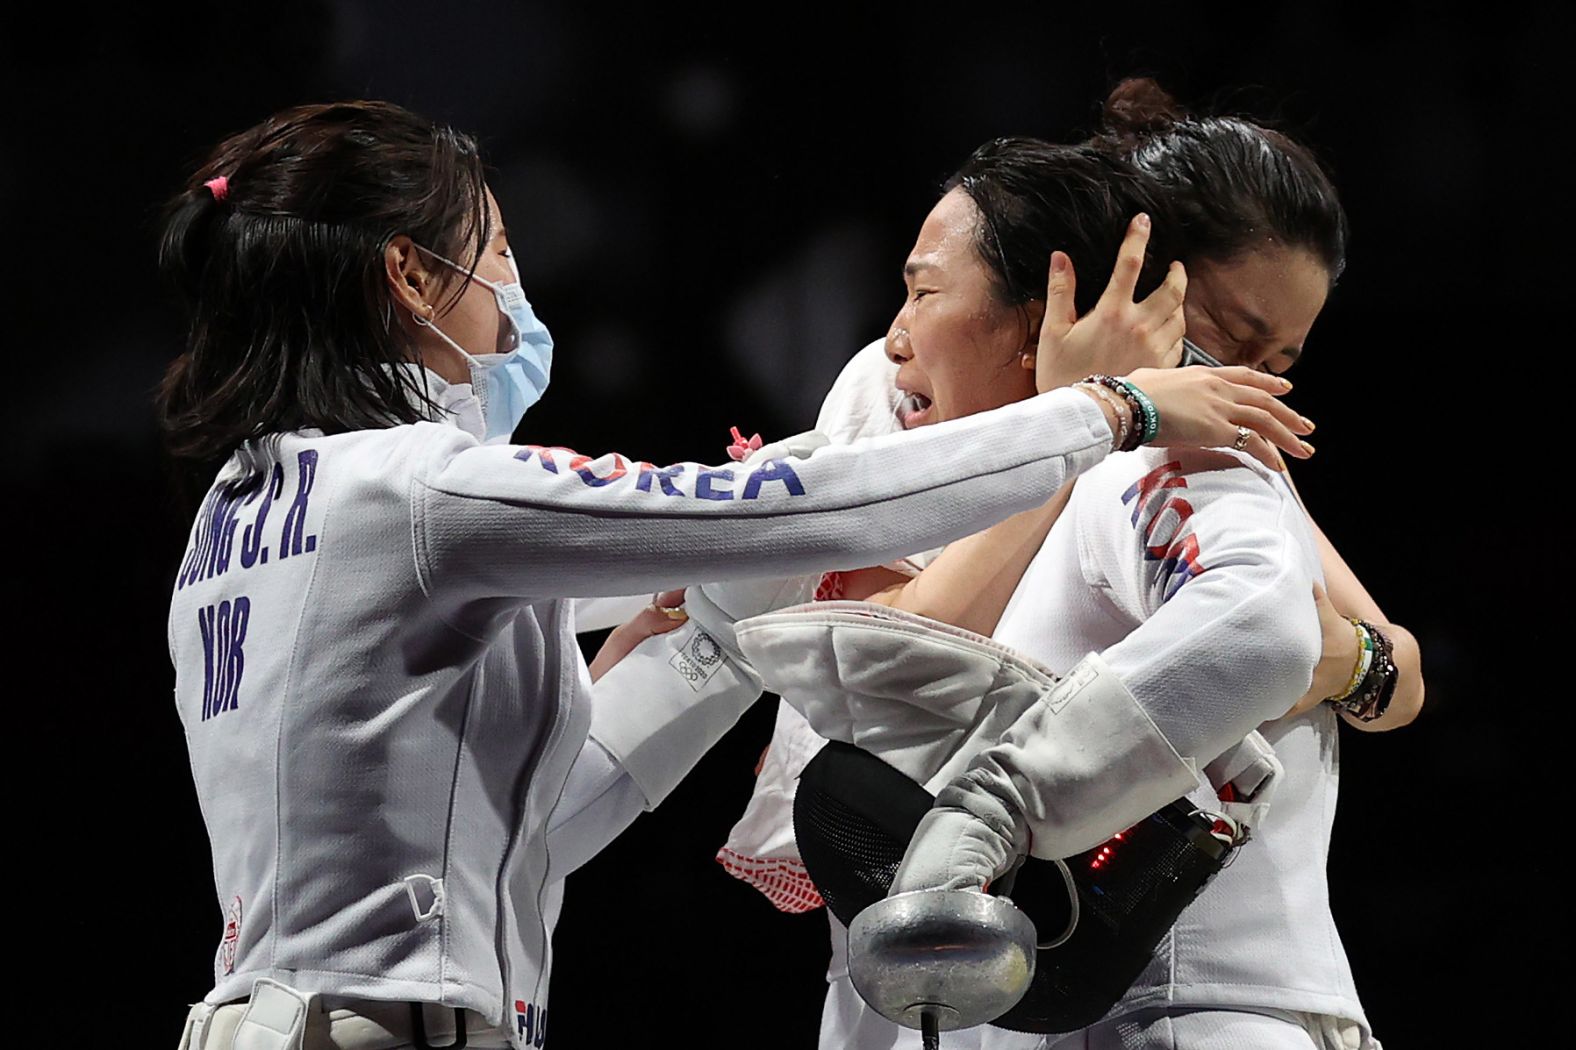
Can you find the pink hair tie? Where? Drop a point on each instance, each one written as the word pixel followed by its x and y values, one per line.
pixel 219 186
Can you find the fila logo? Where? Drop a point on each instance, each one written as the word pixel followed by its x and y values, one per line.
pixel 531 1021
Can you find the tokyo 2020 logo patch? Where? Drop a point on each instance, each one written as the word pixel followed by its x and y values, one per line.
pixel 232 937
pixel 698 660
pixel 704 650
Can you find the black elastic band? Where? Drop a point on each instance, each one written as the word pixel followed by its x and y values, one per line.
pixel 418 1030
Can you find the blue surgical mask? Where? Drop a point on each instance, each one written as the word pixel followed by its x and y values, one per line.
pixel 510 382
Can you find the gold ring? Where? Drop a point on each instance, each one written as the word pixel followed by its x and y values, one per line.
pixel 1243 434
pixel 675 612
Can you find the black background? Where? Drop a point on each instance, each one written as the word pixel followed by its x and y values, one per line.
pixel 711 213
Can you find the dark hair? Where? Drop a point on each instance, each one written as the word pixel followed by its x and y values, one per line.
pixel 1035 197
pixel 281 269
pixel 1232 183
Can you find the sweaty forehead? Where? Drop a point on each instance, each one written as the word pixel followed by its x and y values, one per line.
pixel 947 232
pixel 494 216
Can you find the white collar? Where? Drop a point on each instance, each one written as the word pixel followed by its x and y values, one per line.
pixel 457 403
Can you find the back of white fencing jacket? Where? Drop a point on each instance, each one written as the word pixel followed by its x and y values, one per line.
pixel 382 695
pixel 1191 572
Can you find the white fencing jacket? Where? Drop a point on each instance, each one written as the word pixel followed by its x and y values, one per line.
pixel 1191 573
pixel 381 692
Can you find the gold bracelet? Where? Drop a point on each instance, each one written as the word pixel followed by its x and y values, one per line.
pixel 1365 659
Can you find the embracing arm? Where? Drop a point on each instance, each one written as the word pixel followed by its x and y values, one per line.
pixel 1203 554
pixel 662 694
pixel 1346 597
pixel 1230 636
pixel 970 583
pixel 512 522
pixel 507 522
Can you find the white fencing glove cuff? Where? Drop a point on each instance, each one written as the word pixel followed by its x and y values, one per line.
pixel 1083 763
pixel 662 707
pixel 923 696
pixel 718 606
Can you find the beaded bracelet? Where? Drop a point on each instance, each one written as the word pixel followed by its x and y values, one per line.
pixel 1372 696
pixel 1387 690
pixel 1123 415
pixel 1145 424
pixel 1379 686
pixel 1123 423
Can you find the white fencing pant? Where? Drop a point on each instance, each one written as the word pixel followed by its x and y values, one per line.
pixel 1203 1029
pixel 337 1025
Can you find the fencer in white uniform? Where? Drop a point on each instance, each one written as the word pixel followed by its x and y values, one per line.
pixel 397 747
pixel 388 817
pixel 1190 574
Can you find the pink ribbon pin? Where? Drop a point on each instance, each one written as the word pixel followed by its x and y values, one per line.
pixel 742 446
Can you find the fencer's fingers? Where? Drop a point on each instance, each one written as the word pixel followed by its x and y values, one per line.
pixel 1169 335
pixel 1129 262
pixel 1060 314
pixel 665 613
pixel 1260 449
pixel 1289 417
pixel 1168 298
pixel 1164 307
pixel 1244 376
pixel 1173 355
pixel 1060 309
pixel 653 621
pixel 1270 433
